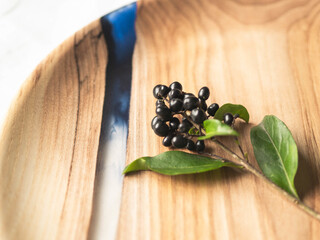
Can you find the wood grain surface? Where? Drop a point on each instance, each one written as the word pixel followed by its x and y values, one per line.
pixel 49 143
pixel 262 54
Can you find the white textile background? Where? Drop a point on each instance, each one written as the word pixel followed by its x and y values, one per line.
pixel 31 29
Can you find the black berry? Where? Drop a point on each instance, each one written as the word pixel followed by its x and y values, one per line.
pixel 228 118
pixel 184 126
pixel 190 103
pixel 204 93
pixel 198 115
pixel 179 141
pixel 175 104
pixel 154 121
pixel 200 145
pixel 174 123
pixel 167 140
pixel 176 85
pixel 164 113
pixel 175 93
pixel 203 105
pixel 161 129
pixel 187 95
pixel 191 146
pixel 164 90
pixel 156 91
pixel 212 109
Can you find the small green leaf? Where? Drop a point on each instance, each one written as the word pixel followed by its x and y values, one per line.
pixel 177 163
pixel 214 127
pixel 233 109
pixel 276 152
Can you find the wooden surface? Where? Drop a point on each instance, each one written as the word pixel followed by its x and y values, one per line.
pixel 49 143
pixel 262 54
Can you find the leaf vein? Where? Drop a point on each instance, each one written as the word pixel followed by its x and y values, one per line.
pixel 279 155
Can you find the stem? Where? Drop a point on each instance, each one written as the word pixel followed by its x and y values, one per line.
pixel 246 165
pixel 190 135
pixel 194 124
pixel 225 148
pixel 218 157
pixel 294 200
pixel 240 148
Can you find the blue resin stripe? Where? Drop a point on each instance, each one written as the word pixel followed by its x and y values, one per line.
pixel 119 32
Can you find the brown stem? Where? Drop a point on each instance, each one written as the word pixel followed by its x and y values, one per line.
pixel 218 157
pixel 240 148
pixel 225 148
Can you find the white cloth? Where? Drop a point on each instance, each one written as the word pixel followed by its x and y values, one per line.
pixel 31 29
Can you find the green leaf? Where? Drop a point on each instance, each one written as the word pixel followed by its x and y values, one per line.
pixel 233 109
pixel 214 127
pixel 177 163
pixel 276 152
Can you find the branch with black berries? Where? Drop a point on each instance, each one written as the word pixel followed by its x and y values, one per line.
pixel 185 122
pixel 184 111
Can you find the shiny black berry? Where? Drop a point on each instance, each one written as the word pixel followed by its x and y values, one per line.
pixel 176 104
pixel 179 141
pixel 175 93
pixel 191 146
pixel 154 121
pixel 204 93
pixel 212 109
pixel 184 126
pixel 190 103
pixel 203 105
pixel 174 123
pixel 176 85
pixel 198 115
pixel 164 113
pixel 200 146
pixel 187 95
pixel 228 118
pixel 164 90
pixel 156 91
pixel 161 129
pixel 167 140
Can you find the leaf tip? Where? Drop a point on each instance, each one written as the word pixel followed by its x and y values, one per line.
pixel 125 170
pixel 136 165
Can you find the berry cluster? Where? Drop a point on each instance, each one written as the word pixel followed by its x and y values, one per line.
pixel 178 112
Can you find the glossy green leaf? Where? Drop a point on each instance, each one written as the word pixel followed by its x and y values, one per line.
pixel 233 109
pixel 177 163
pixel 214 127
pixel 276 152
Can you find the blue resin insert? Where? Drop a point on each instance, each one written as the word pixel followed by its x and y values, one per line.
pixel 119 31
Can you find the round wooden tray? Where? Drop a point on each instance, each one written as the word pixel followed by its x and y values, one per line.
pixel 73 113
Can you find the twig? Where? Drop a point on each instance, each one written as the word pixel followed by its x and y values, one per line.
pixel 240 148
pixel 224 147
pixel 218 157
pixel 257 173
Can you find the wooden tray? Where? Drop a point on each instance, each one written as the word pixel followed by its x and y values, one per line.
pixel 262 54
